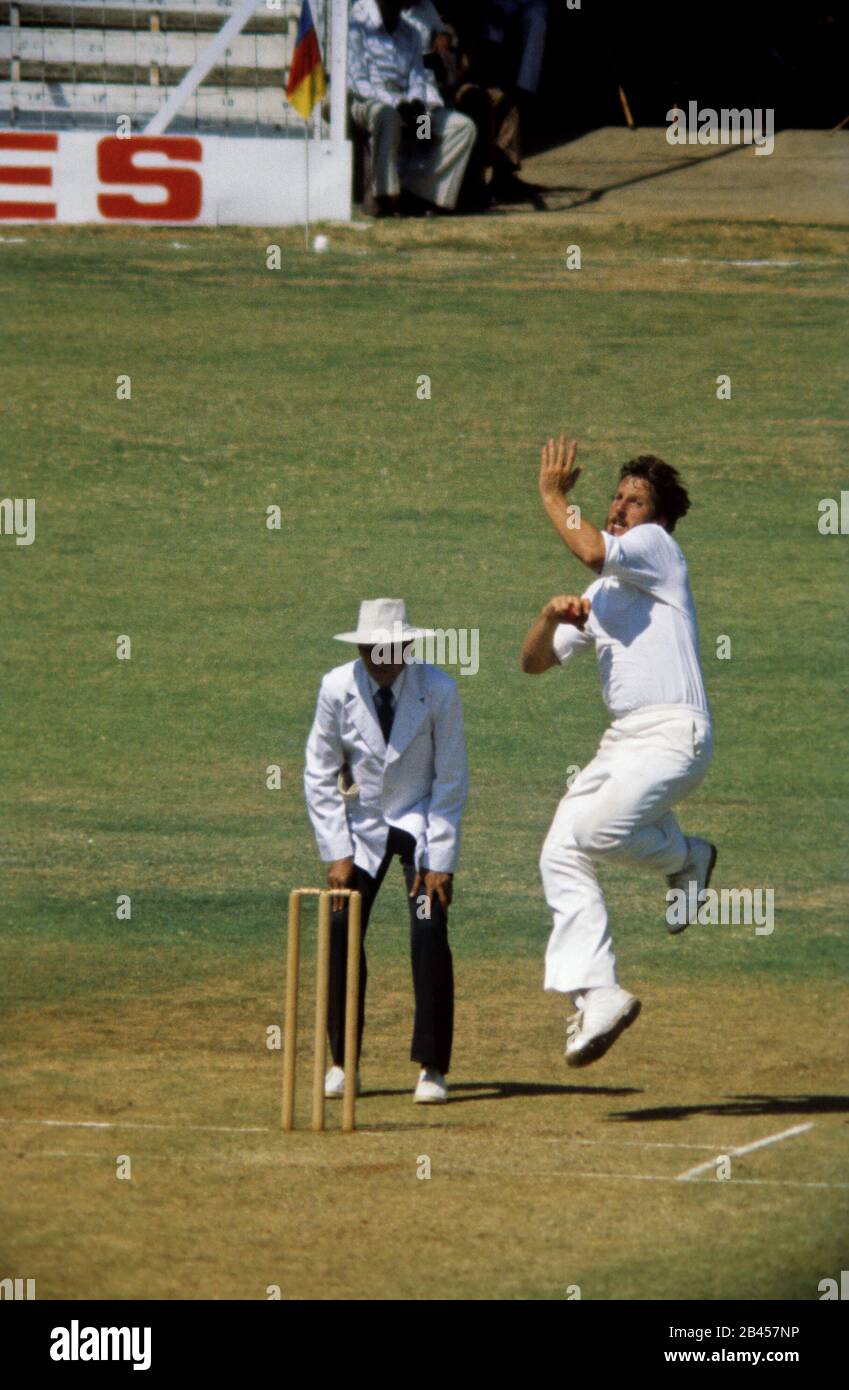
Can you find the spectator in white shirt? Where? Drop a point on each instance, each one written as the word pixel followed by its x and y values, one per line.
pixel 415 145
pixel 499 57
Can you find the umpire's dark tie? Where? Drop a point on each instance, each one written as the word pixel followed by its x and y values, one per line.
pixel 385 710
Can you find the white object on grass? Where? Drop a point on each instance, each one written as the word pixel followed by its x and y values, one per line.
pixel 696 1172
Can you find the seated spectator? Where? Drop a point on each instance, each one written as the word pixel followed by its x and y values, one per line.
pixel 444 63
pixel 436 41
pixel 416 143
pixel 502 43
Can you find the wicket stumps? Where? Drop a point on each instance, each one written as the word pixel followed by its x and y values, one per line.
pixel 322 995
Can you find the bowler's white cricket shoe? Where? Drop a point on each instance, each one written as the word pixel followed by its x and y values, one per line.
pixel 431 1088
pixel 334 1084
pixel 607 1011
pixel 693 878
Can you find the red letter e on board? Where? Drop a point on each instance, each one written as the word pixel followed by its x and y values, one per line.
pixel 33 175
pixel 115 165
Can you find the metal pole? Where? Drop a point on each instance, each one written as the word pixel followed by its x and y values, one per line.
pixel 338 71
pixel 307 183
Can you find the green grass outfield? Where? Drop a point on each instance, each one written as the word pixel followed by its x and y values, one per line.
pixel 297 388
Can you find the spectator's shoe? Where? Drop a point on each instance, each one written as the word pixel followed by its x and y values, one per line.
pixel 509 188
pixel 431 1088
pixel 476 197
pixel 697 870
pixel 334 1084
pixel 607 1011
pixel 387 207
pixel 411 205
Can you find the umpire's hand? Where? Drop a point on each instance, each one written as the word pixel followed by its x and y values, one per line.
pixel 340 874
pixel 435 884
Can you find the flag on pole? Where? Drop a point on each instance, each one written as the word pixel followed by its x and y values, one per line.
pixel 307 83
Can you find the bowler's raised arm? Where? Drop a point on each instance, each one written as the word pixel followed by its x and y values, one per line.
pixel 557 477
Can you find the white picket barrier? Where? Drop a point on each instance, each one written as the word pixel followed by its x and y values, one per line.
pixel 170 180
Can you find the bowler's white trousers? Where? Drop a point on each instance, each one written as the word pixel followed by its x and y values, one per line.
pixel 618 808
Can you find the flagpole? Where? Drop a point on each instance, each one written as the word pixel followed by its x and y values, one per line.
pixel 306 183
pixel 306 68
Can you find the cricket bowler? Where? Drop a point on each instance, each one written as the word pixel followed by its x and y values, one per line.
pixel 640 618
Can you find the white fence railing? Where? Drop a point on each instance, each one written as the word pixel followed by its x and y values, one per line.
pixel 140 48
pixel 81 64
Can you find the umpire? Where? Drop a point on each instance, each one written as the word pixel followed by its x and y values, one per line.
pixel 386 776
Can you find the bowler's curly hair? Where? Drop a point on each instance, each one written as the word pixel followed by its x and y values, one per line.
pixel 669 494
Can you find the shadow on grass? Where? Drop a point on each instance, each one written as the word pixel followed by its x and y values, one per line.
pixel 509 1090
pixel 744 1105
pixel 594 195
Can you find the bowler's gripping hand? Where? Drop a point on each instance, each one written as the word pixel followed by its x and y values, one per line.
pixel 568 608
pixel 340 874
pixel 435 884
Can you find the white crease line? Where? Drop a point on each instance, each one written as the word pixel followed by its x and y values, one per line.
pixel 656 1177
pixel 137 1124
pixel 633 1143
pixel 731 1182
pixel 67 1153
pixel 528 1173
pixel 261 1129
pixel 693 260
pixel 746 1149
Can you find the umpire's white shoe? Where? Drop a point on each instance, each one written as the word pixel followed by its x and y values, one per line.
pixel 334 1084
pixel 607 1011
pixel 431 1088
pixel 697 870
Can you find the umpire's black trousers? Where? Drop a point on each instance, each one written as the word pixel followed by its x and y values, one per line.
pixel 433 971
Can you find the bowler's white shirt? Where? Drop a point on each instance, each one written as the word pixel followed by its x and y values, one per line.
pixel 642 624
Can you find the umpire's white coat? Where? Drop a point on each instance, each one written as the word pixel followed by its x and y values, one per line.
pixel 418 782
